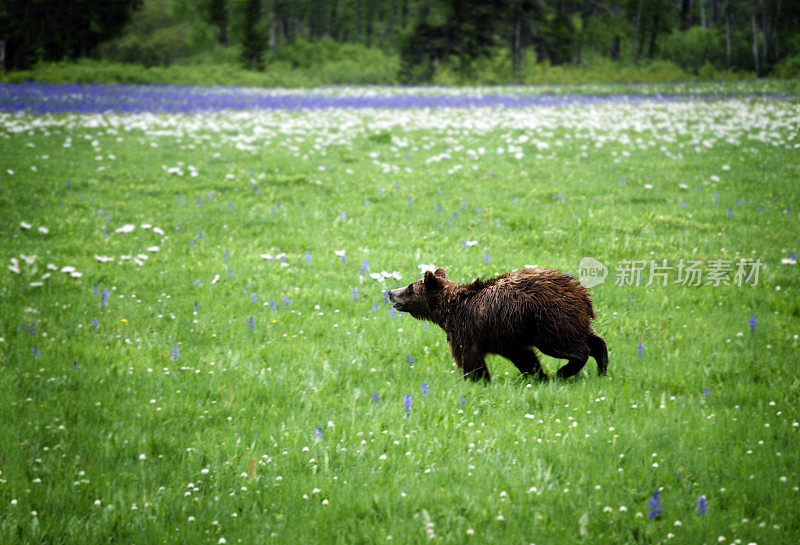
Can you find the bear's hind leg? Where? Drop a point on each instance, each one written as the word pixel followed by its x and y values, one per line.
pixel 599 351
pixel 575 364
pixel 526 361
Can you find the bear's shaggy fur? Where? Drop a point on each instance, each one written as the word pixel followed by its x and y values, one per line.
pixel 509 315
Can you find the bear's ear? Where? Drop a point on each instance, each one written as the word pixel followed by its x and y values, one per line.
pixel 440 272
pixel 432 281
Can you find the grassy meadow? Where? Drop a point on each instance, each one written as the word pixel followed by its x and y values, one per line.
pixel 196 347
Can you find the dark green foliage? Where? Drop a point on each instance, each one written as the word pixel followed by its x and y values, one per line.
pixel 444 41
pixel 253 42
pixel 53 29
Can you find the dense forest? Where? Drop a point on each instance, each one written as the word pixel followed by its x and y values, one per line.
pixel 425 37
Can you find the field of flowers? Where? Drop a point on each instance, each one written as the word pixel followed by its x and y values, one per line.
pixel 196 346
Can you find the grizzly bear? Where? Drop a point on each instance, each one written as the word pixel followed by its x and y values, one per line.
pixel 509 315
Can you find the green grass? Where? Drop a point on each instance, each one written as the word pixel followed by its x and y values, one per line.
pixel 108 438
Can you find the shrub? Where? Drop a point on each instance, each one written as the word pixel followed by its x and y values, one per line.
pixel 693 48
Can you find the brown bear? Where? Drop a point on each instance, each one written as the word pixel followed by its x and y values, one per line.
pixel 509 315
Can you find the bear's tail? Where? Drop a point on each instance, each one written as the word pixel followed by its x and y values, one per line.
pixel 599 351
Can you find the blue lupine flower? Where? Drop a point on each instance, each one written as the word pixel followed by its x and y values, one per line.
pixel 196 306
pixel 410 201
pixel 654 505
pixel 175 353
pixel 559 197
pixel 639 349
pixel 308 258
pixel 462 400
pixel 706 393
pixel 376 398
pixel 103 297
pixel 199 201
pixel 375 307
pixel 622 182
pixel 254 298
pixel 410 361
pixel 95 323
pixel 75 365
pixel 230 206
pixel 392 313
pixel 230 271
pixel 318 432
pixel 702 506
pixel 683 205
pixel 424 388
pixel 343 217
pixel 364 267
pixel 354 294
pixel 196 282
pixel 35 352
pixel 252 323
pixel 273 306
pixel 227 256
pixel 438 208
pixel 286 301
pixel 486 259
pixel 730 212
pixel 753 324
pixel 407 403
pixel 479 211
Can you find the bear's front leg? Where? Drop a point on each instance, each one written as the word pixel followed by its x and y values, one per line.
pixel 473 365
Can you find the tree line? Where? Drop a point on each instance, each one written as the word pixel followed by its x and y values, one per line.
pixel 747 35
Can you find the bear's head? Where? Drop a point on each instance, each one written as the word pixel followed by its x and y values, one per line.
pixel 421 298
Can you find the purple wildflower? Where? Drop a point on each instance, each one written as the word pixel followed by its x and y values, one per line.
pixel 75 365
pixel 175 353
pixel 393 313
pixel 376 398
pixel 424 388
pixel 318 433
pixel 559 196
pixel 95 323
pixel 622 182
pixel 252 323
pixel 753 324
pixel 196 306
pixel 375 307
pixel 230 206
pixel 308 258
pixel 683 205
pixel 35 352
pixel 462 400
pixel 654 505
pixel 286 301
pixel 706 393
pixel 254 298
pixel 702 506
pixel 639 349
pixel 486 259
pixel 730 212
pixel 226 256
pixel 410 361
pixel 273 306
pixel 354 294
pixel 196 282
pixel 410 201
pixel 103 297
pixel 438 208
pixel 364 268
pixel 343 217
pixel 230 271
pixel 407 403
